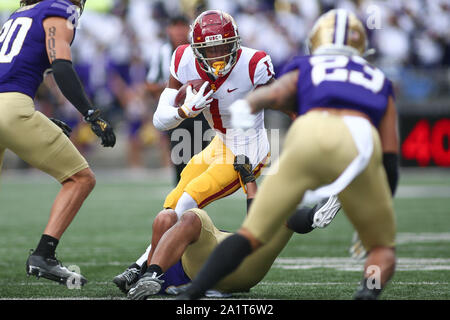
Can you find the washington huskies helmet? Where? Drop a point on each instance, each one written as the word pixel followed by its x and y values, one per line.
pixel 215 29
pixel 79 3
pixel 338 31
pixel 82 4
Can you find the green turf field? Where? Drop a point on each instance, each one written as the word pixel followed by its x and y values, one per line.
pixel 113 227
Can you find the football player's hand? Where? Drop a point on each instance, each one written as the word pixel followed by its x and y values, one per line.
pixel 64 127
pixel 241 116
pixel 101 128
pixel 196 103
pixel 244 168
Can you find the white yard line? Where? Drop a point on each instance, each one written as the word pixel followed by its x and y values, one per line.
pixel 423 191
pixel 410 237
pixel 280 283
pixel 349 264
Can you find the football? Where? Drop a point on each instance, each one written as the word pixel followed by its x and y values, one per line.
pixel 196 85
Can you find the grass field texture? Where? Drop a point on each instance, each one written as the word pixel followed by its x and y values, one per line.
pixel 114 226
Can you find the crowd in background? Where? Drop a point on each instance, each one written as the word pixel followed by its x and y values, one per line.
pixel 114 50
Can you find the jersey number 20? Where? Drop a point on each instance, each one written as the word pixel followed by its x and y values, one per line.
pixel 333 68
pixel 9 47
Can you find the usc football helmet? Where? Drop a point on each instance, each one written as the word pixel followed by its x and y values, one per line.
pixel 338 31
pixel 215 41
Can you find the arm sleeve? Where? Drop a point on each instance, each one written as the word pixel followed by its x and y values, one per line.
pixel 166 115
pixel 390 163
pixel 70 85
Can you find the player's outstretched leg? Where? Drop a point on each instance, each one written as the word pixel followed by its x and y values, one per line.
pixel 42 262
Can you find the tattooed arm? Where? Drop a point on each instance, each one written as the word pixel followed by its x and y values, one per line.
pixel 58 36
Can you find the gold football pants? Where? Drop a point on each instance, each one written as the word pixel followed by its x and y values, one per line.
pixel 250 272
pixel 36 139
pixel 318 147
pixel 208 176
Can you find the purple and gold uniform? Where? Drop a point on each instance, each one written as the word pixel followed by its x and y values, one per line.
pixel 23 61
pixel 23 55
pixel 249 273
pixel 327 154
pixel 341 82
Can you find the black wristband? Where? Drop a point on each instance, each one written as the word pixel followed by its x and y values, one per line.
pixel 390 163
pixel 70 85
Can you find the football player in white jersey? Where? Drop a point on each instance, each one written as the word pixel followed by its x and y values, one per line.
pixel 216 56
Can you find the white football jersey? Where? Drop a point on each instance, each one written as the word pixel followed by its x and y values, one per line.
pixel 252 69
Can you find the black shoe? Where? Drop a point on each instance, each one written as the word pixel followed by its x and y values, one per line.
pixel 364 293
pixel 52 269
pixel 127 279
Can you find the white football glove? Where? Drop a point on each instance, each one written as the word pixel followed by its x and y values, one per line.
pixel 241 116
pixel 196 103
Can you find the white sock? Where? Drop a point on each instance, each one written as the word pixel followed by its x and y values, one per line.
pixel 185 202
pixel 144 257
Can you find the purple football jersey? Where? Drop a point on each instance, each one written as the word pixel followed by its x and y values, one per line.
pixel 341 82
pixel 23 55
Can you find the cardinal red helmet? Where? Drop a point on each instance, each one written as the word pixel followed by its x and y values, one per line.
pixel 215 41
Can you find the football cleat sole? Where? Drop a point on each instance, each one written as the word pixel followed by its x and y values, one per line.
pixel 326 213
pixel 68 281
pixel 143 289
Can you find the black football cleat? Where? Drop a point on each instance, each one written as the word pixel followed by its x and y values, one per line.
pixel 127 279
pixel 52 269
pixel 364 293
